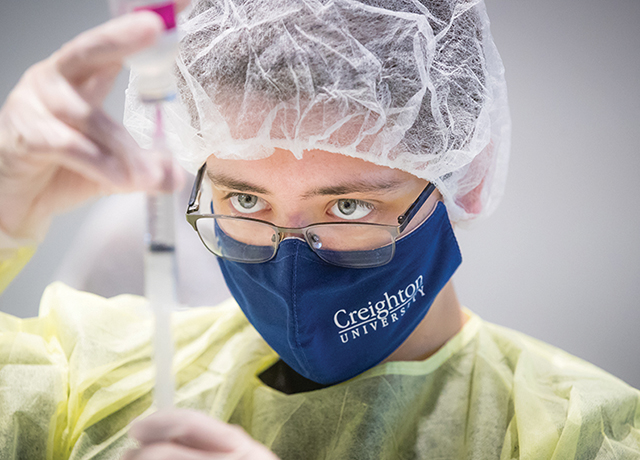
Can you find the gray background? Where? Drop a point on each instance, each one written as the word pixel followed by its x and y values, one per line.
pixel 560 259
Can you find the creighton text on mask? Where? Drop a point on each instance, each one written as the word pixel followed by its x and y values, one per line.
pixel 389 309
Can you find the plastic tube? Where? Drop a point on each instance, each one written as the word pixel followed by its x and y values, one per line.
pixel 154 66
pixel 161 275
pixel 155 84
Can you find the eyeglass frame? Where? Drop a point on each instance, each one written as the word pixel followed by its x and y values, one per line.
pixel 403 220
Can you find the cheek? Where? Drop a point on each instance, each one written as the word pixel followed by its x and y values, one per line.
pixel 220 205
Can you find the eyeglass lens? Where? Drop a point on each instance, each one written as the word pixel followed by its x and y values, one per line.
pixel 250 241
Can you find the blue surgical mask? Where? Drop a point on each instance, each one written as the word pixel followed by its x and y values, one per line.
pixel 332 323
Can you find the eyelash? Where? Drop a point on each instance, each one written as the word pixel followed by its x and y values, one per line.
pixel 232 194
pixel 365 204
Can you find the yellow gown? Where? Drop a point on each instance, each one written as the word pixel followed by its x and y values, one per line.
pixel 72 379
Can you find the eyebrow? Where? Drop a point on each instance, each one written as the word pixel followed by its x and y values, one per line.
pixel 354 187
pixel 223 180
pixel 346 188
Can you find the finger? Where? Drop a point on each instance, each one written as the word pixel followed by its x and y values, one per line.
pixel 49 93
pixel 59 144
pixel 39 139
pixel 117 165
pixel 70 100
pixel 33 132
pixel 165 451
pixel 116 140
pixel 109 155
pixel 182 4
pixel 114 176
pixel 113 137
pixel 108 44
pixel 115 149
pixel 96 88
pixel 189 428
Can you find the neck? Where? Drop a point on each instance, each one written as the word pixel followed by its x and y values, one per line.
pixel 444 319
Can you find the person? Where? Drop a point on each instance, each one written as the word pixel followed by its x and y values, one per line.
pixel 336 143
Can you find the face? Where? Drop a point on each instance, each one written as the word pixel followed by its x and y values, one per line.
pixel 320 187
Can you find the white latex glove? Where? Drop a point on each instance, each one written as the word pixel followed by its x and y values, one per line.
pixel 58 147
pixel 179 434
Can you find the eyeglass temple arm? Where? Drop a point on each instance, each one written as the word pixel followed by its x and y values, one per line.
pixel 194 198
pixel 410 213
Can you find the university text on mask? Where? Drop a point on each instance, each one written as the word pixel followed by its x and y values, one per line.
pixel 376 316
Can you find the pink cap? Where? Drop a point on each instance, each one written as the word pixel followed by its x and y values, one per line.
pixel 166 10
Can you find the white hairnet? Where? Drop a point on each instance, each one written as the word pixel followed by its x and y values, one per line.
pixel 413 85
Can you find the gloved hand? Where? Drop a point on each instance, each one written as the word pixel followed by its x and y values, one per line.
pixel 180 434
pixel 57 146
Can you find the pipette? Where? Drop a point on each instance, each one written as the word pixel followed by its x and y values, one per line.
pixel 161 275
pixel 154 84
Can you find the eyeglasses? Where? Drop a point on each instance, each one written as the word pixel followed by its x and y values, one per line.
pixel 346 244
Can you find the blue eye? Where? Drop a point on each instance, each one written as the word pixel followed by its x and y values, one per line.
pixel 247 204
pixel 351 209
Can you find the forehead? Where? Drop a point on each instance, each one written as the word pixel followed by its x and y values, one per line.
pixel 315 169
